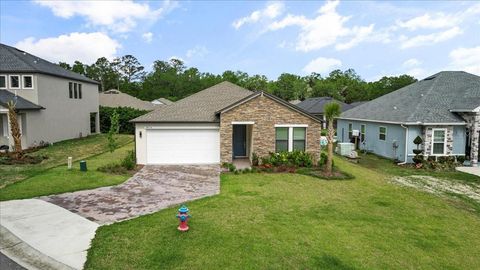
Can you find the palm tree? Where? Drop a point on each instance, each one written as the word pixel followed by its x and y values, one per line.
pixel 15 129
pixel 331 111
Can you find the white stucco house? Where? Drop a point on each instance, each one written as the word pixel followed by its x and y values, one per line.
pixel 53 104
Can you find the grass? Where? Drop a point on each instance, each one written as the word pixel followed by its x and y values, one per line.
pixel 57 155
pixel 387 166
pixel 292 221
pixel 59 179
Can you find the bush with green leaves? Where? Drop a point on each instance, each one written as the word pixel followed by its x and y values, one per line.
pixel 418 158
pixel 129 161
pixel 229 166
pixel 125 114
pixel 294 159
pixel 255 159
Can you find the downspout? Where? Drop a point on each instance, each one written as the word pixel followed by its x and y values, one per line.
pixel 406 145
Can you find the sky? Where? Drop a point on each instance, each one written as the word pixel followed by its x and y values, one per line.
pixel 376 39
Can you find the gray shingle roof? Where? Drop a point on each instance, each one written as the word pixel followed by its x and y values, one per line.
pixel 15 60
pixel 163 100
pixel 199 107
pixel 115 98
pixel 427 101
pixel 315 105
pixel 21 103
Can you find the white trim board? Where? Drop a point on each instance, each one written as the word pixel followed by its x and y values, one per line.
pixel 291 125
pixel 243 122
pixel 403 123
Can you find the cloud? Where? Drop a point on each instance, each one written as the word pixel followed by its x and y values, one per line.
pixel 430 21
pixel 322 65
pixel 412 62
pixel 197 52
pixel 85 47
pixel 271 11
pixel 117 16
pixel 148 37
pixel 326 29
pixel 466 59
pixel 422 40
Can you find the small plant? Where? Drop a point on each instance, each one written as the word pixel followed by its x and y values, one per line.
pixel 114 126
pixel 255 159
pixel 323 159
pixel 461 159
pixel 129 161
pixel 113 168
pixel 418 158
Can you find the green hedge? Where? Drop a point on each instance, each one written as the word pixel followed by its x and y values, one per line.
pixel 125 114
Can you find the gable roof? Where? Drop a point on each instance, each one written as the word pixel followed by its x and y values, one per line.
pixel 114 98
pixel 21 103
pixel 429 101
pixel 199 107
pixel 315 105
pixel 14 60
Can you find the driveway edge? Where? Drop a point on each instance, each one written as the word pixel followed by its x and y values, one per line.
pixel 25 255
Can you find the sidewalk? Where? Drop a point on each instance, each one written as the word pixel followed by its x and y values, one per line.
pixel 44 235
pixel 470 170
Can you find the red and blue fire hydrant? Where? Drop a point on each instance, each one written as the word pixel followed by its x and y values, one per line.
pixel 183 217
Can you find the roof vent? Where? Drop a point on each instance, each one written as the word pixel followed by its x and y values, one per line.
pixel 394 107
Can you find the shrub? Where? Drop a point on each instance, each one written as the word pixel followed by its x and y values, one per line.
pixel 324 132
pixel 229 166
pixel 323 159
pixel 125 114
pixel 294 159
pixel 461 159
pixel 417 151
pixel 254 159
pixel 129 161
pixel 113 169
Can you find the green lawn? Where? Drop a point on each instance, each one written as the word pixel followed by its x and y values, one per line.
pixel 57 155
pixel 59 179
pixel 291 221
pixel 387 166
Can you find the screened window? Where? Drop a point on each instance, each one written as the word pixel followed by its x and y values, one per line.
pixel 382 133
pixel 14 81
pixel 363 128
pixel 79 91
pixel 3 81
pixel 75 91
pixel 438 142
pixel 70 90
pixel 299 138
pixel 350 130
pixel 281 139
pixel 27 81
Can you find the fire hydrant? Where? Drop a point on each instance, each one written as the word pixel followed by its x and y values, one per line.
pixel 183 217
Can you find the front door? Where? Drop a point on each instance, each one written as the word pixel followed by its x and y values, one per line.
pixel 239 140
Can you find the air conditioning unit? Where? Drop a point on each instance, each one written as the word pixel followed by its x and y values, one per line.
pixel 345 149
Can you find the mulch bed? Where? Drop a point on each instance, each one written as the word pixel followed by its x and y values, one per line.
pixel 10 159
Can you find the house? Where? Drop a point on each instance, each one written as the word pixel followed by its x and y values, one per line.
pixel 223 123
pixel 357 103
pixel 161 101
pixel 315 106
pixel 443 109
pixel 53 104
pixel 114 99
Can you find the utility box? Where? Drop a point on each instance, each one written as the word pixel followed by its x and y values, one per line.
pixel 345 149
pixel 83 166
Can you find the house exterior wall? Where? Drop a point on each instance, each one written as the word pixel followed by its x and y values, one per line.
pixel 473 125
pixel 63 118
pixel 30 94
pixel 372 141
pixel 265 113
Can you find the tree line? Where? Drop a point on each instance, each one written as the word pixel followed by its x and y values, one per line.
pixel 173 80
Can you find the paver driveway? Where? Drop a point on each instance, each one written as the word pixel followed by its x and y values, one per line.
pixel 151 189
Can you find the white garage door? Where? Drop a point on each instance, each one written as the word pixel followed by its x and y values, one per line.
pixel 183 146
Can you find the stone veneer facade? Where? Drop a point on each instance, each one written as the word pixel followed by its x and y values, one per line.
pixel 427 139
pixel 473 124
pixel 265 113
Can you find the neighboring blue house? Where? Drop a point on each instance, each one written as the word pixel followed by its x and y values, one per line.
pixel 443 109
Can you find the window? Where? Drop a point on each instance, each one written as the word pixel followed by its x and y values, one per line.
pixel 382 133
pixel 299 138
pixel 363 128
pixel 27 81
pixel 3 81
pixel 350 130
pixel 75 93
pixel 281 139
pixel 14 81
pixel 438 142
pixel 70 90
pixel 79 91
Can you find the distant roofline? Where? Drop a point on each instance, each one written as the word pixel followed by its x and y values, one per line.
pixel 404 123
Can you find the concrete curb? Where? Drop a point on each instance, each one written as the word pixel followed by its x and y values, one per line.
pixel 25 255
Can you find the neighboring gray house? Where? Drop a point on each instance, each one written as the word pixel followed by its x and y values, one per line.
pixel 444 109
pixel 161 101
pixel 315 106
pixel 53 104
pixel 114 99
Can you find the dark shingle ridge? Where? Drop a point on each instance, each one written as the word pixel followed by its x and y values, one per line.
pixel 430 100
pixel 15 60
pixel 316 104
pixel 21 103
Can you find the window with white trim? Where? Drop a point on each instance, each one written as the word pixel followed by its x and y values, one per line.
pixel 290 138
pixel 382 133
pixel 3 81
pixel 14 81
pixel 281 139
pixel 363 129
pixel 299 135
pixel 438 141
pixel 350 130
pixel 27 81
